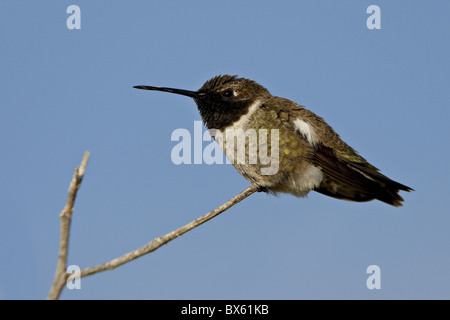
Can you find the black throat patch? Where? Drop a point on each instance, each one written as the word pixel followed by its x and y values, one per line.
pixel 219 115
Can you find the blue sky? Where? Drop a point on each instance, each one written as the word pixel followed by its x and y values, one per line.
pixel 386 92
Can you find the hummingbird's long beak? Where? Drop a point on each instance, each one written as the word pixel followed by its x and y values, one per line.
pixel 192 94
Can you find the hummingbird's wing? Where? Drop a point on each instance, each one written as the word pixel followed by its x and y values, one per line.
pixel 347 175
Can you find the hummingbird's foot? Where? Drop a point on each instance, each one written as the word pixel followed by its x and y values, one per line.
pixel 261 189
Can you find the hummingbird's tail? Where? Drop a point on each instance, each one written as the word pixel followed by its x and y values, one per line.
pixel 359 182
pixel 386 191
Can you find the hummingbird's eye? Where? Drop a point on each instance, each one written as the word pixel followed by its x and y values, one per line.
pixel 227 93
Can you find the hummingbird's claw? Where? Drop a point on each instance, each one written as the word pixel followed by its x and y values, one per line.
pixel 261 189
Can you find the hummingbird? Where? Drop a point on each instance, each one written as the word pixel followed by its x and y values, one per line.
pixel 311 155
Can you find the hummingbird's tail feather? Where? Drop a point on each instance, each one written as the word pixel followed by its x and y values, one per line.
pixel 385 190
pixel 355 181
pixel 342 191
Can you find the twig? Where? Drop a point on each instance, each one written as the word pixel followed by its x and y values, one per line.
pixel 65 220
pixel 61 274
pixel 158 242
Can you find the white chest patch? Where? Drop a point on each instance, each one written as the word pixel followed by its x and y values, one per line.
pixel 242 122
pixel 307 131
pixel 234 130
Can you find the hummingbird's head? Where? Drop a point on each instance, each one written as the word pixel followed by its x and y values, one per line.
pixel 222 100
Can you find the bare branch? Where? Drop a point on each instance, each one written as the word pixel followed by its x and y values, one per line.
pixel 158 242
pixel 61 274
pixel 65 220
